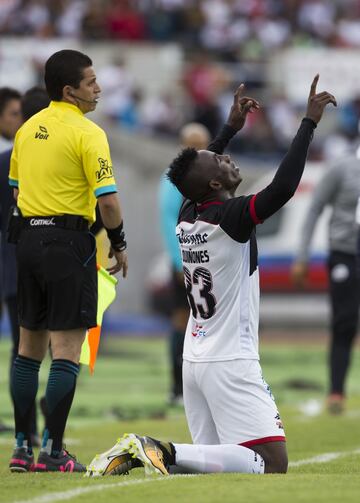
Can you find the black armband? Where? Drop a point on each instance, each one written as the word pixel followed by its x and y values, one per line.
pixel 310 121
pixel 117 238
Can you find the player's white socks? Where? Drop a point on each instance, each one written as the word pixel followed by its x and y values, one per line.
pixel 218 458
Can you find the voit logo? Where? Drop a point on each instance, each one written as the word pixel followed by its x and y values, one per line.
pixel 42 134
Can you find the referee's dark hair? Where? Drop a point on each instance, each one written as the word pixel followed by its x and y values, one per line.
pixel 179 172
pixel 64 68
pixel 34 100
pixel 7 94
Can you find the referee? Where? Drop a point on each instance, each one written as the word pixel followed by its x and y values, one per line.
pixel 60 168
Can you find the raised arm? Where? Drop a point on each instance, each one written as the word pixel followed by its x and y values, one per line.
pixel 240 108
pixel 288 175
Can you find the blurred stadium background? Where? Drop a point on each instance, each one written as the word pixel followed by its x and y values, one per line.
pixel 162 63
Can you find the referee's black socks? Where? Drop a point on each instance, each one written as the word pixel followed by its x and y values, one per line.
pixel 24 386
pixel 59 396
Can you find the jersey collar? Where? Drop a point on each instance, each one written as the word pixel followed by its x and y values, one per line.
pixel 63 105
pixel 202 207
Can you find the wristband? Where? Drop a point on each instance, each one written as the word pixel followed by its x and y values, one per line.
pixel 119 247
pixel 313 123
pixel 117 237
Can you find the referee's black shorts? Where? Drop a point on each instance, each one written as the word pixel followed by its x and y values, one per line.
pixel 57 279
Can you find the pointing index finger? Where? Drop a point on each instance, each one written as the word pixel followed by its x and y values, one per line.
pixel 313 85
pixel 238 92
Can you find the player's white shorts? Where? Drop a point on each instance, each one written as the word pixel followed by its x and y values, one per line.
pixel 229 402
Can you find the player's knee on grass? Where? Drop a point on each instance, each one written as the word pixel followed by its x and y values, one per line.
pixel 277 465
pixel 274 455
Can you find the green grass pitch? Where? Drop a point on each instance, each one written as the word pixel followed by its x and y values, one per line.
pixel 128 394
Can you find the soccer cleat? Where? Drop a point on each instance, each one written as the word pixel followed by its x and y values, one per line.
pixel 65 462
pixel 336 403
pixel 115 461
pixel 21 461
pixel 130 451
pixel 146 450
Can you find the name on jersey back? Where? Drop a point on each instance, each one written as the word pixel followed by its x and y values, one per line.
pixel 189 256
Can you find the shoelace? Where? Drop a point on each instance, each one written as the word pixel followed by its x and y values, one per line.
pixel 68 453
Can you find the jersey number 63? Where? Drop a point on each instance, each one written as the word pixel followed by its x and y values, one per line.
pixel 198 290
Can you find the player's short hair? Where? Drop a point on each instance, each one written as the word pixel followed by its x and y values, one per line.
pixel 179 170
pixel 64 68
pixel 34 100
pixel 7 94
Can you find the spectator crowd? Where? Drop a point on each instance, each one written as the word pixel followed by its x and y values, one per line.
pixel 216 36
pixel 240 29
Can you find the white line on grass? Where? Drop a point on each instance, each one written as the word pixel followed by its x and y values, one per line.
pixel 72 493
pixel 323 458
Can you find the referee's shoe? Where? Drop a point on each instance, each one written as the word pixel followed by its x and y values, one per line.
pixel 64 462
pixel 22 460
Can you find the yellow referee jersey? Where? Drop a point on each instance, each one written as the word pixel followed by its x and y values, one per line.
pixel 61 163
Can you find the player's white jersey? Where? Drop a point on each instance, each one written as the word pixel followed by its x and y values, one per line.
pixel 219 254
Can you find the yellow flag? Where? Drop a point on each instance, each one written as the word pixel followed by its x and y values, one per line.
pixel 106 295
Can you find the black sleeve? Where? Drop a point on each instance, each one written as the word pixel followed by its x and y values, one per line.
pixel 221 141
pixel 288 175
pixel 236 219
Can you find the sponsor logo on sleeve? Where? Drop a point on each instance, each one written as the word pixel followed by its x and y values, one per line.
pixel 105 171
pixel 42 134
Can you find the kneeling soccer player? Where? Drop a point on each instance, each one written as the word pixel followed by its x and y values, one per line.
pixel 231 413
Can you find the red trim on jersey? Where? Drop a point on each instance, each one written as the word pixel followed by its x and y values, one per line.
pixel 264 440
pixel 210 203
pixel 253 214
